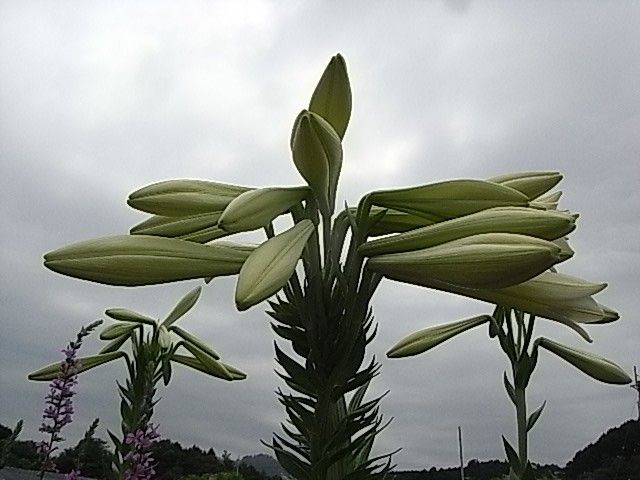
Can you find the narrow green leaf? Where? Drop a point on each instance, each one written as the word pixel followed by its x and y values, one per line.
pixel 533 418
pixel 332 97
pixel 270 266
pixel 86 363
pixel 188 337
pixel 512 456
pixel 431 337
pixel 511 392
pixel 214 367
pixel 185 304
pixel 593 365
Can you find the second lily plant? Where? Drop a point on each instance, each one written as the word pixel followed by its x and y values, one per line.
pixel 495 240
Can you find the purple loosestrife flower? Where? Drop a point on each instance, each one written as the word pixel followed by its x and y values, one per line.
pixel 141 463
pixel 72 475
pixel 59 405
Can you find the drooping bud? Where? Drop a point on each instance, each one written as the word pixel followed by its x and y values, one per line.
pixel 144 260
pixel 431 337
pixel 593 365
pixel 270 266
pixel 449 199
pixel 200 228
pixel 317 154
pixel 532 184
pixel 257 208
pixel 332 97
pixel 548 225
pixel 490 260
pixel 182 198
pixel 86 363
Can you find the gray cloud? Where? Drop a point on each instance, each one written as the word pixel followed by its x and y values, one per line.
pixel 98 101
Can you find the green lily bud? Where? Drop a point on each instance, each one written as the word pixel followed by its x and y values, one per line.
pixel 271 265
pixel 547 225
pixel 395 221
pixel 143 260
pixel 188 337
pixel 257 208
pixel 449 199
pixel 532 184
pixel 125 315
pixel 547 202
pixel 179 198
pixel 332 97
pixel 185 304
pixel 317 154
pixel 551 295
pixel 86 363
pixel 196 365
pixel 489 260
pixel 213 366
pixel 423 340
pixel 199 228
pixel 593 365
pixel 117 329
pixel 164 339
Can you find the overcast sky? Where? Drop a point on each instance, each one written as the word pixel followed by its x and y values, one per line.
pixel 100 98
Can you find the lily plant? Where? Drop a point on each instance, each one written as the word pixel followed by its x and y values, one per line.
pixel 551 295
pixel 473 237
pixel 155 346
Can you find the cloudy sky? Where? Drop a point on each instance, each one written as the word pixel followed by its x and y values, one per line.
pixel 100 98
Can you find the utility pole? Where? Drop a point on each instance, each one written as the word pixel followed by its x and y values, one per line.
pixel 636 387
pixel 460 451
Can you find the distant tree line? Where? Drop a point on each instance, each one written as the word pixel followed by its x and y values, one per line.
pixel 614 456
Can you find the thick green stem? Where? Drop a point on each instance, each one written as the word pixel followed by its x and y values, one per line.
pixel 521 417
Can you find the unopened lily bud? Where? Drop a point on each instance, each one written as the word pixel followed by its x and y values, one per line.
pixel 490 260
pixel 194 363
pixel 270 266
pixel 548 225
pixel 184 197
pixel 200 228
pixel 317 154
pixel 332 96
pixel 86 363
pixel 449 199
pixel 213 366
pixel 547 202
pixel 532 184
pixel 395 221
pixel 423 340
pixel 126 315
pixel 188 337
pixel 593 365
pixel 131 260
pixel 164 339
pixel 117 329
pixel 257 208
pixel 185 304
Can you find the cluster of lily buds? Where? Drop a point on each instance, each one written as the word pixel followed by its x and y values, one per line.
pixel 493 240
pixel 170 337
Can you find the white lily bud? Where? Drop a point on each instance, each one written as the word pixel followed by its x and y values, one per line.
pixel 184 197
pixel 548 225
pixel 449 199
pixel 490 260
pixel 86 363
pixel 270 266
pixel 257 208
pixel 130 260
pixel 532 184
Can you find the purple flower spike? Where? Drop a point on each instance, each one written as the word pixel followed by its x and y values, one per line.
pixel 59 406
pixel 141 463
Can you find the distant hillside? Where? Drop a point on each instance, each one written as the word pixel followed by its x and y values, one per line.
pixel 474 470
pixel 265 464
pixel 614 456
